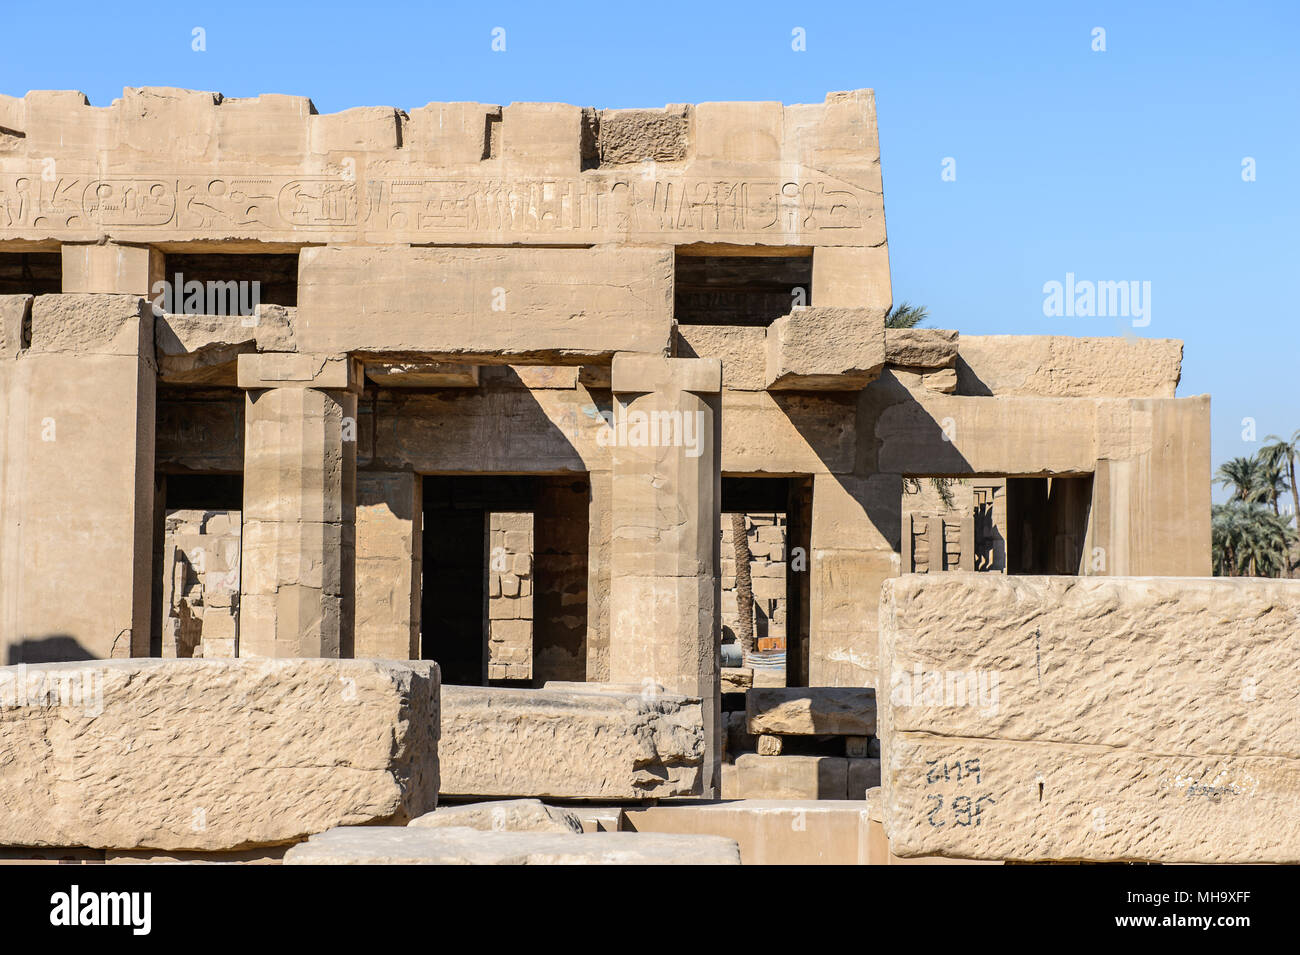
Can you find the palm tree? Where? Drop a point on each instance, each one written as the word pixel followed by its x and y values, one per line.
pixel 905 315
pixel 1247 539
pixel 1246 477
pixel 1272 480
pixel 744 585
pixel 1278 452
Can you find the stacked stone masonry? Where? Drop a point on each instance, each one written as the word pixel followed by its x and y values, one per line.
pixel 594 325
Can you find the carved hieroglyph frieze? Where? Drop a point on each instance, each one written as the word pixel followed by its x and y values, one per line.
pixel 591 207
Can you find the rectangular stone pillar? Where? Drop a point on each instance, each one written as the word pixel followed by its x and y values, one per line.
pixel 388 565
pixel 855 543
pixel 296 593
pixel 666 513
pixel 599 530
pixel 77 418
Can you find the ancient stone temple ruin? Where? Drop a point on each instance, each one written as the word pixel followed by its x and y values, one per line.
pixel 484 386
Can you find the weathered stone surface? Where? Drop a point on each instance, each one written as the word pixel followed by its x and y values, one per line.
pixel 212 754
pixel 812 711
pixel 921 348
pixel 741 349
pixel 91 325
pixel 1091 718
pixel 835 349
pixel 737 679
pixel 1057 366
pixel 15 313
pixel 548 744
pixel 635 135
pixel 385 845
pixel 507 815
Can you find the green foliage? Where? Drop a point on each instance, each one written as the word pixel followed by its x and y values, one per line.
pixel 1248 539
pixel 905 315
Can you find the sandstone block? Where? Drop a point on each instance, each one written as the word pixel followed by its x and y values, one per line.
pixel 812 711
pixel 1097 718
pixel 576 745
pixel 1058 366
pixel 212 754
pixel 508 815
pixel 921 348
pixel 825 349
pixel 791 777
pixel 386 845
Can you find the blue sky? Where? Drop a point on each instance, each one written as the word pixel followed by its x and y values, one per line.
pixel 1116 165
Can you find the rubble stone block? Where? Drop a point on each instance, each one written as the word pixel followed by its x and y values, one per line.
pixel 386 845
pixel 1094 718
pixel 812 711
pixel 569 744
pixel 921 348
pixel 507 815
pixel 224 754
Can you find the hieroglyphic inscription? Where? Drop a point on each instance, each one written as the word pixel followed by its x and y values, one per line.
pixel 589 206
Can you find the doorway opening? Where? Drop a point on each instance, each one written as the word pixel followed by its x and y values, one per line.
pixel 504 586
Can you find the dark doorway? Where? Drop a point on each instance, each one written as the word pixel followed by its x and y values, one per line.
pixel 453 598
pixel 778 511
pixel 1047 523
pixel 31 273
pixel 505 577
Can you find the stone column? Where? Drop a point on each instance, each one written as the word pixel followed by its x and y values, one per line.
pixel 664 550
pixel 388 562
pixel 296 591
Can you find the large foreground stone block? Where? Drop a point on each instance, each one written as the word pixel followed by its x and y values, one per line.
pixel 567 744
pixel 1061 718
pixel 376 845
pixel 212 754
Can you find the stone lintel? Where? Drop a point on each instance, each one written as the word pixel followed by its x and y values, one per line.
pixel 641 374
pixel 286 370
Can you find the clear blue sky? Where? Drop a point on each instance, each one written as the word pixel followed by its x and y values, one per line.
pixel 1116 165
